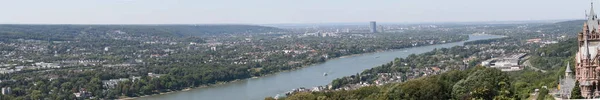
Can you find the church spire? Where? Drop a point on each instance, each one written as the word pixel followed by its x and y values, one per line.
pixel 592 19
pixel 592 9
pixel 592 24
pixel 592 14
pixel 568 70
pixel 587 47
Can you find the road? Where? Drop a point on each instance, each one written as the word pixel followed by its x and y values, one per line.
pixel 527 64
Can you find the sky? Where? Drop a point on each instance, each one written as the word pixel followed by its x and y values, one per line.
pixel 285 11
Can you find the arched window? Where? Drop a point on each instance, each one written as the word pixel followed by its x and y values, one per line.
pixel 597 88
pixel 593 88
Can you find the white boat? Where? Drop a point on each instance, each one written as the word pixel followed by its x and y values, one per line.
pixel 324 74
pixel 276 96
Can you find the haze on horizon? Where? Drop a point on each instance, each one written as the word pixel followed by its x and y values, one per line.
pixel 284 11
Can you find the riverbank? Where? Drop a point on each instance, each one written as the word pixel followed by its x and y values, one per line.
pixel 270 74
pixel 288 79
pixel 182 90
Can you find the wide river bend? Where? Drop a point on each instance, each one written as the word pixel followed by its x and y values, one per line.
pixel 310 76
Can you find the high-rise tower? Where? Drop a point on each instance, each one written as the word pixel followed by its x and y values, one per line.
pixel 373 27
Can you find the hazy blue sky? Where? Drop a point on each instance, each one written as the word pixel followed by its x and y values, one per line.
pixel 283 11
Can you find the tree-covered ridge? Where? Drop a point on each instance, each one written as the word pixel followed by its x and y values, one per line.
pixel 475 83
pixel 552 56
pixel 79 32
pixel 488 41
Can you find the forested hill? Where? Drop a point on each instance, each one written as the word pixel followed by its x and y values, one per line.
pixel 572 22
pixel 565 27
pixel 200 30
pixel 70 32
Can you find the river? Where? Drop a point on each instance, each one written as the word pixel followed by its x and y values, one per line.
pixel 311 76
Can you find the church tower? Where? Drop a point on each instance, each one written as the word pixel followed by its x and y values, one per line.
pixel 568 71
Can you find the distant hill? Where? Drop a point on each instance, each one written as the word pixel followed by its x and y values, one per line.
pixel 203 30
pixel 565 27
pixel 573 22
pixel 67 32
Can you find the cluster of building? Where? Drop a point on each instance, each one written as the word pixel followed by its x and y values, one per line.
pixel 112 83
pixel 82 94
pixel 314 89
pixel 372 27
pixel 6 90
pixel 382 78
pixel 509 63
pixel 539 40
pixel 11 68
pixel 320 34
pixel 81 62
pixel 43 65
pixel 386 78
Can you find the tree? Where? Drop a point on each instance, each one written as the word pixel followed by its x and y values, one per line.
pixel 302 96
pixel 542 94
pixel 505 92
pixel 576 93
pixel 364 92
pixel 483 84
pixel 425 89
pixel 36 95
pixel 270 98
